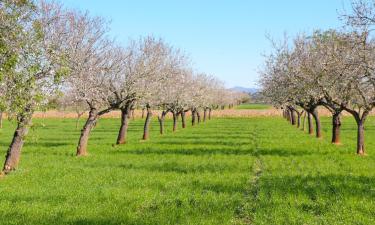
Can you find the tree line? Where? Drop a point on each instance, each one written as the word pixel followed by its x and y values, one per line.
pixel 48 51
pixel 333 68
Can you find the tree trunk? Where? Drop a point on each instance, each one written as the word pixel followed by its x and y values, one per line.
pixel 317 124
pixel 336 124
pixel 146 129
pixel 122 134
pixel 85 132
pixel 310 123
pixel 193 117
pixel 298 120
pixel 209 113
pixel 198 116
pixel 14 151
pixel 143 113
pixel 183 121
pixel 360 138
pixel 293 117
pixel 161 122
pixel 303 121
pixel 175 115
pixel 360 134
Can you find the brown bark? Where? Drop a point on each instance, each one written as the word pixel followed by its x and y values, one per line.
pixel 122 134
pixel 204 115
pixel 303 121
pixel 85 132
pixel 198 116
pixel 336 125
pixel 193 117
pixel 298 120
pixel 288 116
pixel 209 113
pixel 360 138
pixel 183 119
pixel 146 128
pixel 143 113
pixel 87 128
pixel 318 129
pixel 293 117
pixel 161 120
pixel 310 124
pixel 175 116
pixel 14 151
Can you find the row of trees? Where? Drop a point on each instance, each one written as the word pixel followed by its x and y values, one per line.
pixel 47 50
pixel 334 69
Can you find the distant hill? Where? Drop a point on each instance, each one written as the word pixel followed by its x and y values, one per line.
pixel 246 90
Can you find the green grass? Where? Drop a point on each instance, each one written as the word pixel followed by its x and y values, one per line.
pixel 227 171
pixel 253 106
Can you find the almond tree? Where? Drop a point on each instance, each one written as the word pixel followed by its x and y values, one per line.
pixel 38 64
pixel 358 94
pixel 95 63
pixel 161 65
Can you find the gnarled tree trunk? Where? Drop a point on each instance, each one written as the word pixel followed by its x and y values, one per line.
pixel 183 119
pixel 293 117
pixel 360 138
pixel 317 123
pixel 146 128
pixel 303 121
pixel 336 125
pixel 85 132
pixel 310 124
pixel 161 120
pixel 298 119
pixel 175 116
pixel 193 117
pixel 122 134
pixel 14 151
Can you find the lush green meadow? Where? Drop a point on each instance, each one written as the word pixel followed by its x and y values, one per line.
pixel 227 171
pixel 253 106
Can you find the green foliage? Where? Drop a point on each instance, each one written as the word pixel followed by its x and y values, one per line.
pixel 227 171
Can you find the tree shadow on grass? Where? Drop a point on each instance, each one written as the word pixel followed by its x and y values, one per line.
pixel 197 151
pixel 323 192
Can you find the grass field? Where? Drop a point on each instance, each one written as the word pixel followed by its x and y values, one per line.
pixel 227 171
pixel 253 106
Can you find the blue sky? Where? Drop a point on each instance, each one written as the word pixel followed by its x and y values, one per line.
pixel 223 38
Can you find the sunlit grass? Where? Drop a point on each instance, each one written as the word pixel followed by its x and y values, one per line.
pixel 227 171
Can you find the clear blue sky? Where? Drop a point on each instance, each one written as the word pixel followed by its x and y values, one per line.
pixel 225 38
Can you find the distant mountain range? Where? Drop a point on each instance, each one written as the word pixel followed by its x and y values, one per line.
pixel 246 90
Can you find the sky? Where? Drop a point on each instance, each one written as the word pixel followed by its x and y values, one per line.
pixel 225 38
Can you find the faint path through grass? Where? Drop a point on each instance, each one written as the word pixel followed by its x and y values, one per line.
pixel 245 212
